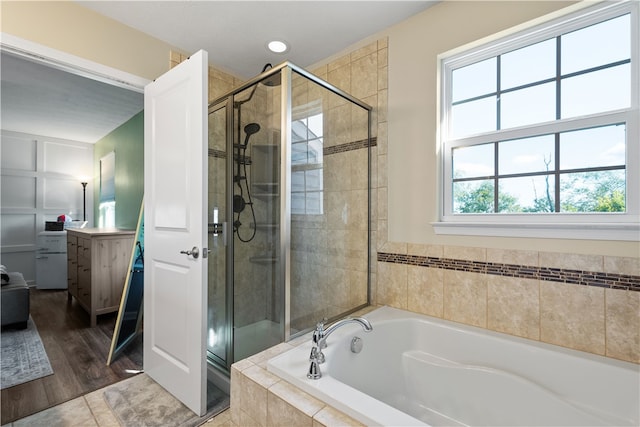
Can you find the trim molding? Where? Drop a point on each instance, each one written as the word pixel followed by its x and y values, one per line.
pixel 71 63
pixel 620 231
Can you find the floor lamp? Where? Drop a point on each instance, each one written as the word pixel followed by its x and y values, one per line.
pixel 84 201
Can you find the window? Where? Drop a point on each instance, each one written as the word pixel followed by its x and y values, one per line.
pixel 107 207
pixel 306 164
pixel 541 128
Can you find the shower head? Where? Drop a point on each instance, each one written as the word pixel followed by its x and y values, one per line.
pixel 272 81
pixel 249 130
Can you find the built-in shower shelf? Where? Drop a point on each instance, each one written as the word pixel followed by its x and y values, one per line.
pixel 265 189
pixel 265 172
pixel 242 159
pixel 266 259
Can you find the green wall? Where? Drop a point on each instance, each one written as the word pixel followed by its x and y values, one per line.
pixel 128 143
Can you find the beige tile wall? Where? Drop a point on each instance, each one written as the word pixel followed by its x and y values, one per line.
pixel 597 320
pixel 363 74
pixel 329 251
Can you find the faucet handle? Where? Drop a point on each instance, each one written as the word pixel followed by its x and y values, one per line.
pixel 320 324
pixel 318 334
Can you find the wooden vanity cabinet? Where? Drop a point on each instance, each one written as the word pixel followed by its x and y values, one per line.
pixel 97 263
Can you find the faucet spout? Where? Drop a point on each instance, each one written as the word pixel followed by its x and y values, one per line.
pixel 366 325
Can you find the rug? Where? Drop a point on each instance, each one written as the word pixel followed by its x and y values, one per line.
pixel 141 402
pixel 23 356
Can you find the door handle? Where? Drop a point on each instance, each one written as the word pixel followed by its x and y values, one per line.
pixel 194 252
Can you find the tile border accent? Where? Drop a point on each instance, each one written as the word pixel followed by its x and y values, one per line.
pixel 350 146
pixel 578 277
pixel 220 154
pixel 341 148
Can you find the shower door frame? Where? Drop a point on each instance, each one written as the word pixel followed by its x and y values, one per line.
pixel 228 240
pixel 286 70
pixel 285 191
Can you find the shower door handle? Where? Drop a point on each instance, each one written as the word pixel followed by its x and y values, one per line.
pixel 194 252
pixel 216 228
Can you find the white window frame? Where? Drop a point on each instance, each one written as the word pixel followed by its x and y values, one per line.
pixel 304 112
pixel 600 226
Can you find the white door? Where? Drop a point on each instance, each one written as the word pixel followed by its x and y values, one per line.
pixel 175 198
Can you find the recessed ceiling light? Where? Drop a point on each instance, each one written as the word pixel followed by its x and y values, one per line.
pixel 277 46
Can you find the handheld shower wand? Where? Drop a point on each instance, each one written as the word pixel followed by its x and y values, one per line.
pixel 249 130
pixel 239 201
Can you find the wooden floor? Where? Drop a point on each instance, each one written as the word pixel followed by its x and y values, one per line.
pixel 77 353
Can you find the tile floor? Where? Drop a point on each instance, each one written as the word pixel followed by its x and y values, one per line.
pixel 91 410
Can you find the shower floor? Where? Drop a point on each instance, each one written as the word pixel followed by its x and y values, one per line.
pixel 254 338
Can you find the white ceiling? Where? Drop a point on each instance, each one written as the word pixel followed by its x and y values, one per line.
pixel 235 32
pixel 41 100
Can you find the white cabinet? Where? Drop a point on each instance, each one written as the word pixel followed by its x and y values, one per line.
pixel 51 260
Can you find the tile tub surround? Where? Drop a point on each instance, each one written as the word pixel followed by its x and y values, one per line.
pixel 584 302
pixel 259 398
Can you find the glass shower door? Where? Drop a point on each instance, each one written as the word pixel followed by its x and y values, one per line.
pixel 258 292
pixel 219 316
pixel 329 204
pixel 246 292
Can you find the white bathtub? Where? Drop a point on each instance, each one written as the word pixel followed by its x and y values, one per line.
pixel 418 370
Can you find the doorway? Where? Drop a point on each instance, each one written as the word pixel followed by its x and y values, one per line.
pixel 77 352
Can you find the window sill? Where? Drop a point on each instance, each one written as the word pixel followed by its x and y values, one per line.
pixel 586 231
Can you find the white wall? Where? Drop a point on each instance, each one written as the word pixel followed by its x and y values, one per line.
pixel 413 160
pixel 40 179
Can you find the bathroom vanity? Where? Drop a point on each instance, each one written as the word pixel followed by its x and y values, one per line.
pixel 97 262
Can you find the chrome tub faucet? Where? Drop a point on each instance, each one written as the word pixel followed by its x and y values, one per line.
pixel 319 339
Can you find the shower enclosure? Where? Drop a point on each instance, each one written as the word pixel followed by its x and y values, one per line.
pixel 289 210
